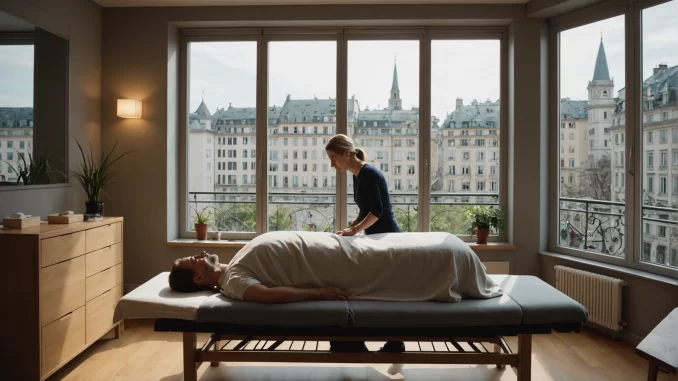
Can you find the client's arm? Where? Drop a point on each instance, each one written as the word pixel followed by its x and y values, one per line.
pixel 262 294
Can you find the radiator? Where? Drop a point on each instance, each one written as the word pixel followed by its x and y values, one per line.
pixel 600 294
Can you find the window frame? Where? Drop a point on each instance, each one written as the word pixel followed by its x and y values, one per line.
pixel 634 223
pixel 262 36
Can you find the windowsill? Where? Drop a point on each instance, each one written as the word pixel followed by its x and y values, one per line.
pixel 616 268
pixel 240 243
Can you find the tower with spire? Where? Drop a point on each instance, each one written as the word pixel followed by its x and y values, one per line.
pixel 601 106
pixel 394 101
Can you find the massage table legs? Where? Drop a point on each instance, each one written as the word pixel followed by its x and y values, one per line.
pixel 523 363
pixel 190 358
pixel 216 346
pixel 524 368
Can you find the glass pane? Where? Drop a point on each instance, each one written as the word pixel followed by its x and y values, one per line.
pixel 660 135
pixel 465 113
pixel 592 130
pixel 16 110
pixel 301 118
pixel 383 120
pixel 221 127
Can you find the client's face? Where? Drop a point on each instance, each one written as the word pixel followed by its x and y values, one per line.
pixel 202 264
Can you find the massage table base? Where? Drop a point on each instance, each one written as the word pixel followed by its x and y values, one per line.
pixel 215 351
pixel 528 307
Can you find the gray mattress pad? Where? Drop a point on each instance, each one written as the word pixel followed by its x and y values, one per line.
pixel 527 300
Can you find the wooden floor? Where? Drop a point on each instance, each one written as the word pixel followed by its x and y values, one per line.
pixel 142 354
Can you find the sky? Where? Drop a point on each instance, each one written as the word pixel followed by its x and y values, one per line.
pixel 225 71
pixel 579 48
pixel 16 75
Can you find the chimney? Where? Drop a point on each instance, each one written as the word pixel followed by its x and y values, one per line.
pixel 659 68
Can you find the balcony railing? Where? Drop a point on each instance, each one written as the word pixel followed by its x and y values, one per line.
pixel 236 211
pixel 592 225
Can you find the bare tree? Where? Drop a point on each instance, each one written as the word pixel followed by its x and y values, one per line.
pixel 595 181
pixel 598 179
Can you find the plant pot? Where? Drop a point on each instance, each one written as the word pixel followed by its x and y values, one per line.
pixel 201 231
pixel 481 235
pixel 93 207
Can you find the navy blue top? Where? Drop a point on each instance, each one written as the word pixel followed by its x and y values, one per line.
pixel 370 193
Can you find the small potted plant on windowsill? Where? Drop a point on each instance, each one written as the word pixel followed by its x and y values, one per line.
pixel 201 221
pixel 483 219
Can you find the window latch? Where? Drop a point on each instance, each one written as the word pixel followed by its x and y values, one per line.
pixel 630 161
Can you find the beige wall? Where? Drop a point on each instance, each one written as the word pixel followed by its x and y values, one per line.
pixel 79 21
pixel 645 302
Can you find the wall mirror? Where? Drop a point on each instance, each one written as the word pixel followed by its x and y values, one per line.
pixel 33 105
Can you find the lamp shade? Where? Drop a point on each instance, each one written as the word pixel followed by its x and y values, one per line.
pixel 129 108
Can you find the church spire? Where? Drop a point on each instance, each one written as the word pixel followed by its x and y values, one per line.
pixel 601 72
pixel 394 85
pixel 394 102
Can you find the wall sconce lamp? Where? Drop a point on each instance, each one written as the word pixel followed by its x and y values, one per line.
pixel 129 108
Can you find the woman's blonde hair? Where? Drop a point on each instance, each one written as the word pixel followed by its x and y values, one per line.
pixel 341 143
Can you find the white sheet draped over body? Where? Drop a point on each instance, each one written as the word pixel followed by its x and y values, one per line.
pixel 389 267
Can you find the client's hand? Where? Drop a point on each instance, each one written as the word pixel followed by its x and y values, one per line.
pixel 332 293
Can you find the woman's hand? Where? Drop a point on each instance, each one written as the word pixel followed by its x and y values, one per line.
pixel 332 293
pixel 349 231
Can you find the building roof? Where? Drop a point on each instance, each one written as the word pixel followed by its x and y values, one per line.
pixel 235 113
pixel 571 109
pixel 601 72
pixel 16 117
pixel 202 111
pixel 305 110
pixel 662 83
pixel 477 114
pixel 393 116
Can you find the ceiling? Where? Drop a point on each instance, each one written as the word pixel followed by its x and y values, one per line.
pixel 12 24
pixel 186 3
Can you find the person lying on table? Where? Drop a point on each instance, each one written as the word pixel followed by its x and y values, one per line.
pixel 284 267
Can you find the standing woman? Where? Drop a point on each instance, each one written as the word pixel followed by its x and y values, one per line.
pixel 370 193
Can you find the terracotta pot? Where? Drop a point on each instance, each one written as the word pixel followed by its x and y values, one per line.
pixel 481 235
pixel 201 231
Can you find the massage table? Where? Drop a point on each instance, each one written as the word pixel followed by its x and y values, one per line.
pixel 460 330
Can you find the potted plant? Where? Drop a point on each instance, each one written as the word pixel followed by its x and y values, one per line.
pixel 34 171
pixel 483 219
pixel 201 220
pixel 95 176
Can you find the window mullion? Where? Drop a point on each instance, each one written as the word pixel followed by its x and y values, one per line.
pixel 342 128
pixel 634 142
pixel 262 135
pixel 424 131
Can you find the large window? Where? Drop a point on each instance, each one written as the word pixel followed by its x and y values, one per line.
pixel 466 115
pixel 301 117
pixel 592 197
pixel 659 118
pixel 262 105
pixel 221 150
pixel 383 119
pixel 16 109
pixel 625 137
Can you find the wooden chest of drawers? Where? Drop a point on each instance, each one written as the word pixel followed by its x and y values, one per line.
pixel 59 287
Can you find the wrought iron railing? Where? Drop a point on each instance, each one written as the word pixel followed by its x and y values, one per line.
pixel 236 211
pixel 599 227
pixel 592 225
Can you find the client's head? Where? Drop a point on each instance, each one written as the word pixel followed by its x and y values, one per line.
pixel 195 273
